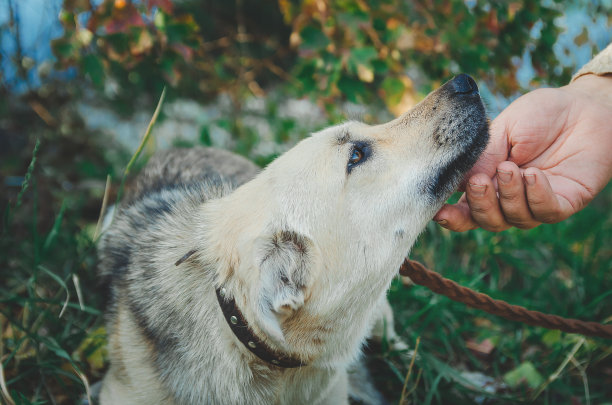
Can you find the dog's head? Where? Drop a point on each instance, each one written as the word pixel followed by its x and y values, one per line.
pixel 343 207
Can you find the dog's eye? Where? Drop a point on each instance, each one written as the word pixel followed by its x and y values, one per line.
pixel 356 156
pixel 359 154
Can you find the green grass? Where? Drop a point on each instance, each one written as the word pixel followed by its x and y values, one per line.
pixel 49 308
pixel 51 305
pixel 565 269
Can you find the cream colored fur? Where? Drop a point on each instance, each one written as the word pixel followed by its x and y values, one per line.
pixel 316 299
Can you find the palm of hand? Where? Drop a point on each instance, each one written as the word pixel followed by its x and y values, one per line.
pixel 559 141
pixel 563 134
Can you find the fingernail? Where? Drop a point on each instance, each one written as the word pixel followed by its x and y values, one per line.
pixel 529 179
pixel 478 190
pixel 442 222
pixel 504 176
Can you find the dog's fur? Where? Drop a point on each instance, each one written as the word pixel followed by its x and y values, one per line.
pixel 307 248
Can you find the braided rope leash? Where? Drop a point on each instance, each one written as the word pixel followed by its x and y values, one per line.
pixel 420 275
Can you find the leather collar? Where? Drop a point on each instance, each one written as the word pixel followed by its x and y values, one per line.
pixel 245 334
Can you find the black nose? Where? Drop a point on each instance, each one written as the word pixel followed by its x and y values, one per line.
pixel 464 84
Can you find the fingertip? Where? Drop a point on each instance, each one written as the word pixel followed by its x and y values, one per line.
pixel 480 179
pixel 484 204
pixel 512 196
pixel 478 186
pixel 507 166
pixel 544 204
pixel 533 176
pixel 443 223
pixel 455 218
pixel 442 213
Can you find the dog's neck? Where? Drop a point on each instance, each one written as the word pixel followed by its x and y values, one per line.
pixel 335 315
pixel 244 333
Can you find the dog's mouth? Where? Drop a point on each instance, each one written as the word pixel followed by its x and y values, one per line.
pixel 461 135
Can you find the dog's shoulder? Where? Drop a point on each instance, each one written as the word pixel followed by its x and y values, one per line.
pixel 163 200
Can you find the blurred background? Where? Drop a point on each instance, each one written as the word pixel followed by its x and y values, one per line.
pixel 79 80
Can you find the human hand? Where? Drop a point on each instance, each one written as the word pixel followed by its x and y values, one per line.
pixel 550 153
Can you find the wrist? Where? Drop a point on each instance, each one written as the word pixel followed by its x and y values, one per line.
pixel 596 87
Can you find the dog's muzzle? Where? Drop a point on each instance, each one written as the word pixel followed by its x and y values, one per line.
pixel 462 130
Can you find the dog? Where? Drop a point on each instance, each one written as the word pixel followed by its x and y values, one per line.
pixel 234 286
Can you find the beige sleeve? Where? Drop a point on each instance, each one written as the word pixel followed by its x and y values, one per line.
pixel 599 65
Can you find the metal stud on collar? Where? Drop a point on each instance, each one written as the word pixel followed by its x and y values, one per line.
pixel 245 335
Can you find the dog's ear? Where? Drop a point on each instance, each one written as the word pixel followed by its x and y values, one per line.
pixel 285 261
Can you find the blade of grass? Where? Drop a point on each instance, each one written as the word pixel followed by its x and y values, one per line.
pixel 35 235
pixel 55 229
pixel 585 380
pixel 15 353
pixel 85 383
pixel 43 380
pixel 61 283
pixel 5 394
pixel 103 208
pixel 143 142
pixel 28 175
pixel 416 383
pixel 432 390
pixel 414 355
pixel 558 371
pixel 52 301
pixel 77 287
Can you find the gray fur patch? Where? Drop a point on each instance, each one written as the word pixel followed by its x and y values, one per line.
pixel 166 196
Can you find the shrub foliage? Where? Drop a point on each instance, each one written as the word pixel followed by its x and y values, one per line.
pixel 347 49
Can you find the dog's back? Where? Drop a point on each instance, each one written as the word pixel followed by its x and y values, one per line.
pixel 178 167
pixel 170 176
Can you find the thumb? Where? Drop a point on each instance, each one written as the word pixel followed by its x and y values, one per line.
pixel 456 217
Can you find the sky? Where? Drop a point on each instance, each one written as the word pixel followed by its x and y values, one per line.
pixel 38 24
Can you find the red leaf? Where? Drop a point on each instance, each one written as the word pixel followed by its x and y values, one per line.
pixel 165 5
pixel 484 348
pixel 124 18
pixel 183 50
pixel 493 22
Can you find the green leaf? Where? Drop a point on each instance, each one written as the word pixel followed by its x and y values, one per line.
pixel 205 138
pixel 524 373
pixel 93 349
pixel 353 19
pixel 52 345
pixel 178 32
pixel 160 20
pixel 313 38
pixel 364 55
pixel 380 66
pixel 353 90
pixel 64 47
pixel 551 337
pixel 361 56
pixel 394 90
pixel 93 67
